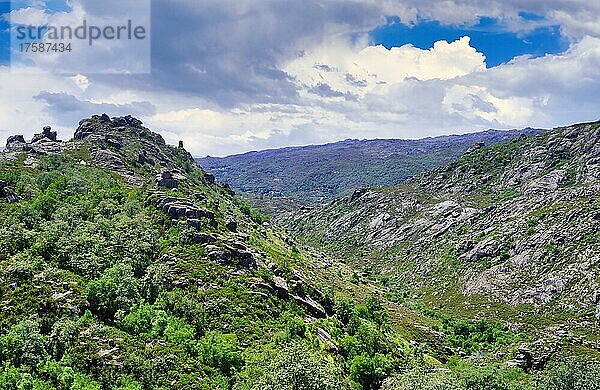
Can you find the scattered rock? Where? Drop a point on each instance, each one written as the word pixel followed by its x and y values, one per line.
pixel 59 296
pixel 202 238
pixel 232 256
pixel 325 337
pixel 281 287
pixel 313 307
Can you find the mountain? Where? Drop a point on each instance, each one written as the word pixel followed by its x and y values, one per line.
pixel 317 174
pixel 508 231
pixel 124 265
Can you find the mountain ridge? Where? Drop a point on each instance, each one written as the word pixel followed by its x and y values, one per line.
pixel 317 174
pixel 126 266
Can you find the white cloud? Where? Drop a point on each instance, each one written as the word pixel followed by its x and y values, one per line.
pixel 348 70
pixel 237 88
pixel 29 16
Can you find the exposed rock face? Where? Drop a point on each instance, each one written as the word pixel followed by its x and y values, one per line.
pixel 124 136
pixel 43 143
pixel 184 209
pixel 15 142
pixel 283 290
pixel 513 222
pixel 232 226
pixel 46 133
pixel 230 255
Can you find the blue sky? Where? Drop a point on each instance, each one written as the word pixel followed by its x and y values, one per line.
pixel 489 36
pixel 230 76
pixel 4 34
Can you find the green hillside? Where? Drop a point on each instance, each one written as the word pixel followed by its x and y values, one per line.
pixel 126 266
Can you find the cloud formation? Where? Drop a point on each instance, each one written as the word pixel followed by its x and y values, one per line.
pixel 230 76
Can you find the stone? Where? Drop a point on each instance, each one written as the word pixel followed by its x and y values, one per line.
pixel 202 238
pixel 281 287
pixel 15 142
pixel 325 337
pixel 166 180
pixel 232 226
pixel 46 133
pixel 210 178
pixel 231 256
pixel 143 158
pixel 357 194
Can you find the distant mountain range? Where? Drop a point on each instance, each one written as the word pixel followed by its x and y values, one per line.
pixel 317 174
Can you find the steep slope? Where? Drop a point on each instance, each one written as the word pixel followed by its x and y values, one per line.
pixel 509 231
pixel 124 265
pixel 318 174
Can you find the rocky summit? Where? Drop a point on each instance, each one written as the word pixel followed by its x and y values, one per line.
pixel 124 265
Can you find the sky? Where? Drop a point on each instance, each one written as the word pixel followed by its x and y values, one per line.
pixel 232 76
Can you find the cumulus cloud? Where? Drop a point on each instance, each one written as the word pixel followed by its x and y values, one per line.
pixel 230 76
pixel 69 109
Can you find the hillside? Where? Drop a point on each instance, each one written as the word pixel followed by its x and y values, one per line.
pixel 126 266
pixel 317 174
pixel 508 232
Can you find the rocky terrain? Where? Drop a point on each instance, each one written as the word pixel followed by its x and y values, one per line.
pixel 507 231
pixel 282 179
pixel 124 265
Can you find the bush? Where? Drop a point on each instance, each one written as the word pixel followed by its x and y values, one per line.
pixel 296 367
pixel 369 372
pixel 23 345
pixel 222 352
pixel 116 290
pixel 570 375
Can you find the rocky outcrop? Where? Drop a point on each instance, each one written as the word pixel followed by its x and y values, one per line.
pixel 534 356
pixel 228 255
pixel 284 290
pixel 126 138
pixel 43 143
pixel 46 133
pixel 7 192
pixel 232 226
pixel 15 142
pixel 166 180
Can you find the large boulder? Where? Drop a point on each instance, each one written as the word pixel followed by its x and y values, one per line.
pixel 166 180
pixel 15 142
pixel 46 133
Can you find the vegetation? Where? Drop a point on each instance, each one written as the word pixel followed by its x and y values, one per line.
pixel 280 179
pixel 101 287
